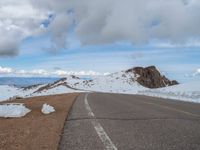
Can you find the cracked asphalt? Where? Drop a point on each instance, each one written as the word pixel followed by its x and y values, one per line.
pixel 132 122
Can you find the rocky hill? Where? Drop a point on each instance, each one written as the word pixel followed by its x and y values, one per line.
pixel 150 77
pixel 129 81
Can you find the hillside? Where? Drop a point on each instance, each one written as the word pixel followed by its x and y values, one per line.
pixel 130 82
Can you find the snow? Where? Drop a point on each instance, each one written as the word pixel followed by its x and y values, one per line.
pixel 8 92
pixel 47 109
pixel 185 92
pixel 13 110
pixel 57 90
pixel 120 82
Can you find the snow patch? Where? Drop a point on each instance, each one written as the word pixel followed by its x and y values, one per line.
pixel 185 92
pixel 13 110
pixel 47 109
pixel 120 82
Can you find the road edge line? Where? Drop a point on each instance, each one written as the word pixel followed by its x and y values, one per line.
pixel 98 128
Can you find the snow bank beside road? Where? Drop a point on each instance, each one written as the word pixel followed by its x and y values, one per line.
pixel 186 92
pixel 13 110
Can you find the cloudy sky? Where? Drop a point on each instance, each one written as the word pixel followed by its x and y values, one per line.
pixel 95 37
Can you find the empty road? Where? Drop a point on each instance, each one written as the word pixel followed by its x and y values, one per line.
pixel 100 121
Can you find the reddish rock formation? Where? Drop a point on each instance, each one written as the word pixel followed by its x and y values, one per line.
pixel 150 77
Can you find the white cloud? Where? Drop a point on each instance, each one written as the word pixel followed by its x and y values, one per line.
pixel 5 70
pixel 60 73
pixel 99 21
pixel 78 73
pixel 197 73
pixel 109 21
pixel 44 73
pixel 36 72
pixel 18 20
pixel 39 72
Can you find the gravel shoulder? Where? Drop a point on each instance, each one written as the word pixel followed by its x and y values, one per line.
pixel 36 131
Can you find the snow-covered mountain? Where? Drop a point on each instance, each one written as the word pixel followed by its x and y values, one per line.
pixel 128 82
pixel 120 82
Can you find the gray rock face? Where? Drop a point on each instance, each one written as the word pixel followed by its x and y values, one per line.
pixel 150 77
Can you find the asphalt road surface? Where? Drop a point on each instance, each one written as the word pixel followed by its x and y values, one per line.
pixel 100 121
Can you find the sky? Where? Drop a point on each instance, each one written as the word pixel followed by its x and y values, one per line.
pixel 93 37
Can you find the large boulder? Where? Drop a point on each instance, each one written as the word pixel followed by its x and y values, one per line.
pixel 150 77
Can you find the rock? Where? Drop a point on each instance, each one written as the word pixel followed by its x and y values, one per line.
pixel 74 77
pixel 150 77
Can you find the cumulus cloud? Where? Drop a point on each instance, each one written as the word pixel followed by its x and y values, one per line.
pixel 5 70
pixel 45 73
pixel 136 21
pixel 18 20
pixel 36 72
pixel 98 21
pixel 197 73
pixel 79 73
pixel 58 31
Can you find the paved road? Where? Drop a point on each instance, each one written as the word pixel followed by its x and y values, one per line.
pixel 130 122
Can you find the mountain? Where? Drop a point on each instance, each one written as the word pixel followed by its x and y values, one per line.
pixel 130 82
pixel 150 77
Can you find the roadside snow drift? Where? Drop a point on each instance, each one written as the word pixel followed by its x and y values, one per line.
pixel 186 92
pixel 13 110
pixel 47 109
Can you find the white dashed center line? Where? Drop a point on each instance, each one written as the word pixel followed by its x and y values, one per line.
pixel 99 129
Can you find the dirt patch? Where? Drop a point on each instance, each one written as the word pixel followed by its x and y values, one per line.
pixel 36 131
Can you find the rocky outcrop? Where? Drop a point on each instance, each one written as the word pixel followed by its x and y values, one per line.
pixel 150 77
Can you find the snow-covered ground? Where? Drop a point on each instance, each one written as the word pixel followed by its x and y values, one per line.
pixel 120 82
pixel 13 110
pixel 56 90
pixel 186 92
pixel 7 92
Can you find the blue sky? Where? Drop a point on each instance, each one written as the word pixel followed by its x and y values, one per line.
pixel 97 37
pixel 175 62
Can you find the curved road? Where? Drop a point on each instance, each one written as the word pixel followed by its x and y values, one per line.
pixel 100 121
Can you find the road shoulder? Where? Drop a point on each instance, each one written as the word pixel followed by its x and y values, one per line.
pixel 36 130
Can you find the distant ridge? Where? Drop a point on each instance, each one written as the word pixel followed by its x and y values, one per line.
pixel 25 81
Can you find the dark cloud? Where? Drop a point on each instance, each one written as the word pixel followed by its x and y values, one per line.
pixel 12 52
pixel 136 21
